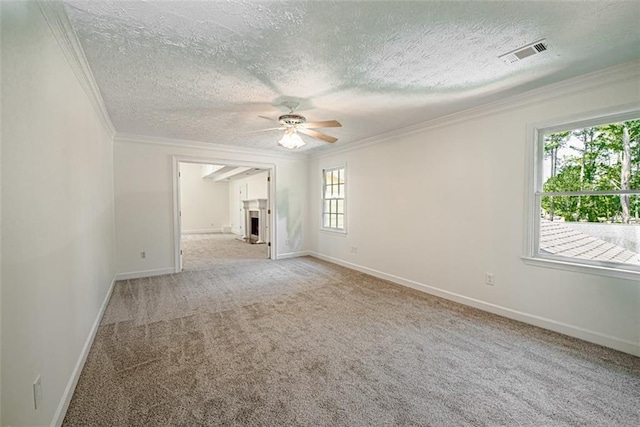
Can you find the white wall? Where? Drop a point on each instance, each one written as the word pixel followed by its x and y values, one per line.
pixel 144 201
pixel 442 206
pixel 256 187
pixel 57 216
pixel 204 202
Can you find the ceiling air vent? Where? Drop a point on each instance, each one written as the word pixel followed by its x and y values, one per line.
pixel 525 51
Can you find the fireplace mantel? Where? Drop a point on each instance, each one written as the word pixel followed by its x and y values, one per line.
pixel 254 204
pixel 259 206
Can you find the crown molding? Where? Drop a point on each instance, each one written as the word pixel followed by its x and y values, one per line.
pixel 208 146
pixel 593 80
pixel 58 21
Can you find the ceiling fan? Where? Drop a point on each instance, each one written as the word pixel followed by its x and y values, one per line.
pixel 292 124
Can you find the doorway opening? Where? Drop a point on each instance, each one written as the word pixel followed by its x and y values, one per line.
pixel 222 212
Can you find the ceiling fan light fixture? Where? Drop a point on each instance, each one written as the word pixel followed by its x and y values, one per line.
pixel 291 139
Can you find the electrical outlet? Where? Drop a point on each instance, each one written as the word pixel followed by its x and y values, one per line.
pixel 143 255
pixel 490 279
pixel 37 392
pixel 354 249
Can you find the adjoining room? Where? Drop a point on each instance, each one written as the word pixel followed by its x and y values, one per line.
pixel 223 214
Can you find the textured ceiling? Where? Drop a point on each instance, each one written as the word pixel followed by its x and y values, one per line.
pixel 204 71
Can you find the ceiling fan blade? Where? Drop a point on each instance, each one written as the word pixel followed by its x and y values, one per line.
pixel 325 124
pixel 318 135
pixel 268 118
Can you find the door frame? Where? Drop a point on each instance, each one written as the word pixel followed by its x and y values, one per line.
pixel 177 224
pixel 240 212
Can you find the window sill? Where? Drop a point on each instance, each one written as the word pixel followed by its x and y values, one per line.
pixel 583 268
pixel 334 231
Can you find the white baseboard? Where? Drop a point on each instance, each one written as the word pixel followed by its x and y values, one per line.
pixel 293 254
pixel 605 340
pixel 58 418
pixel 145 273
pixel 203 231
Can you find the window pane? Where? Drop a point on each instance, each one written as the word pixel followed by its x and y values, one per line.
pixel 599 228
pixel 615 209
pixel 333 198
pixel 325 221
pixel 599 158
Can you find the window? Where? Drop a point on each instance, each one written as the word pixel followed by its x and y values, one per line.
pixel 333 194
pixel 586 208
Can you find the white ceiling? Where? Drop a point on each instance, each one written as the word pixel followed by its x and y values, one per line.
pixel 204 71
pixel 229 172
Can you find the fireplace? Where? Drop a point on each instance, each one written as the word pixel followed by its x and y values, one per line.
pixel 256 220
pixel 255 225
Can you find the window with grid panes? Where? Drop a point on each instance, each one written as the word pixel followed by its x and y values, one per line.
pixel 333 195
pixel 586 194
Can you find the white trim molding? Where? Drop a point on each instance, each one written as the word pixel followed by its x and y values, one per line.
pixel 61 411
pixel 293 255
pixel 619 273
pixel 617 73
pixel 542 322
pixel 200 145
pixel 144 273
pixel 205 231
pixel 58 21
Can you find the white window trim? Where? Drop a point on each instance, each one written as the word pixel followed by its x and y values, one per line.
pixel 533 180
pixel 342 231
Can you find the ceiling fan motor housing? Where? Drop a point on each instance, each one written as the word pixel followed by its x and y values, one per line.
pixel 292 119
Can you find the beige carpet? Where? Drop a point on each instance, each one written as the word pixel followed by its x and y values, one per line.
pixel 203 251
pixel 301 342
